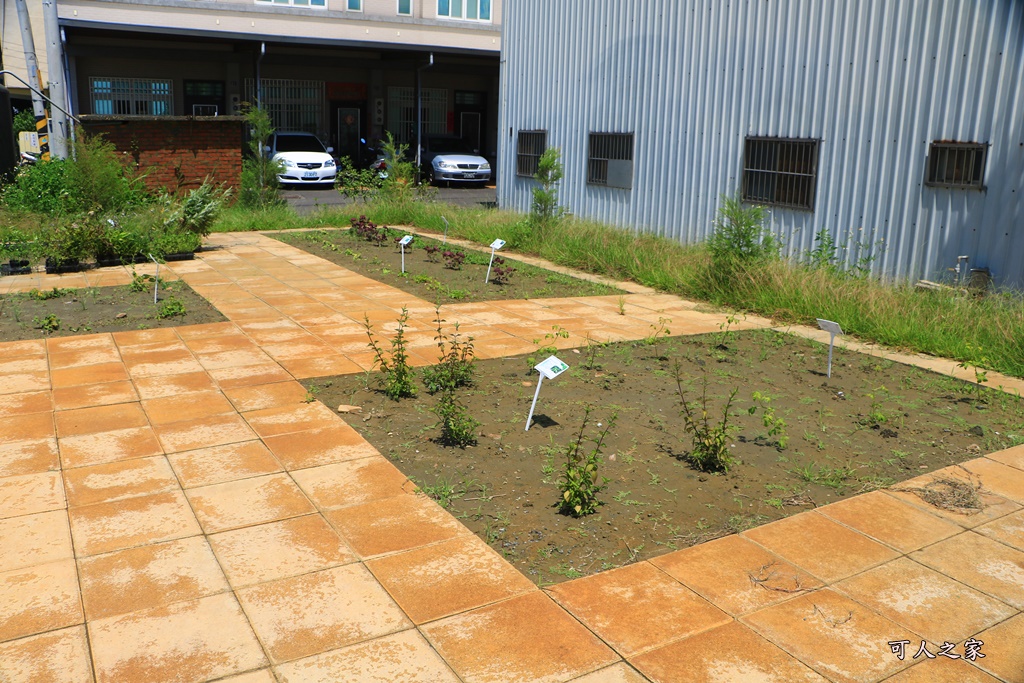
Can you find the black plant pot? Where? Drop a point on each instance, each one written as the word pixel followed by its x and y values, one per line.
pixel 181 256
pixel 56 267
pixel 108 260
pixel 15 267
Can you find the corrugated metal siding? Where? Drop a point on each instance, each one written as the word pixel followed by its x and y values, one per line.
pixel 875 81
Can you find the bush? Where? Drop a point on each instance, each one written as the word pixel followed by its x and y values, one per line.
pixel 545 209
pixel 741 236
pixel 196 211
pixel 259 183
pixel 580 484
pixel 69 242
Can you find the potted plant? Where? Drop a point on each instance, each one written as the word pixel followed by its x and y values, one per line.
pixel 119 245
pixel 17 249
pixel 176 245
pixel 68 245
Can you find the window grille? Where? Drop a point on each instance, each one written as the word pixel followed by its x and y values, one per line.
pixel 956 165
pixel 780 172
pixel 131 96
pixel 292 105
pixel 402 113
pixel 530 146
pixel 610 160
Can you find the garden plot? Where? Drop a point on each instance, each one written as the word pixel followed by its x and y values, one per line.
pixel 797 440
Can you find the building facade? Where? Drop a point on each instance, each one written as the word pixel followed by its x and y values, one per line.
pixel 343 69
pixel 897 128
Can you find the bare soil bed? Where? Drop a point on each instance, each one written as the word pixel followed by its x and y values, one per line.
pixel 65 312
pixel 429 276
pixel 874 423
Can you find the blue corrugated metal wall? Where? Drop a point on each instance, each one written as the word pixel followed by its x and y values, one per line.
pixel 876 81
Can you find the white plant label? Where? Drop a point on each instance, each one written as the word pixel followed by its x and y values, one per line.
pixel 497 244
pixel 833 329
pixel 405 240
pixel 550 368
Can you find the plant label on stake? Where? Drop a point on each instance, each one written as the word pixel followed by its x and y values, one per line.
pixel 495 246
pixel 156 280
pixel 402 242
pixel 445 240
pixel 550 368
pixel 833 329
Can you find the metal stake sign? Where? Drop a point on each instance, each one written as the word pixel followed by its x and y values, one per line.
pixel 495 246
pixel 156 280
pixel 833 329
pixel 445 240
pixel 402 242
pixel 550 368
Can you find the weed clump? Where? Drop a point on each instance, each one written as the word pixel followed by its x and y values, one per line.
pixel 171 308
pixel 580 485
pixel 710 451
pixel 396 376
pixel 454 367
pixel 457 427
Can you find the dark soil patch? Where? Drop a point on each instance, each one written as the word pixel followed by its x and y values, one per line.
pixel 874 423
pixel 428 276
pixel 66 312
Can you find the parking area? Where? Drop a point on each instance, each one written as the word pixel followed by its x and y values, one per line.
pixel 305 199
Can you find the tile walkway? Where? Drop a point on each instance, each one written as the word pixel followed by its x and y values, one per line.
pixel 171 510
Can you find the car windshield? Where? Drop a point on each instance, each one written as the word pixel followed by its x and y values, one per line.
pixel 299 143
pixel 449 146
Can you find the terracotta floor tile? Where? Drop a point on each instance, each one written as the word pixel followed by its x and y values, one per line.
pixel 439 580
pixel 205 639
pixel 117 480
pixel 235 341
pixel 149 576
pixel 25 403
pixel 233 358
pixel 289 547
pixel 28 457
pixel 353 482
pixel 309 614
pixel 261 676
pixel 263 396
pixel 321 366
pixel 194 332
pixel 83 357
pixel 162 363
pixel 99 419
pixel 1001 479
pixel 291 418
pixel 120 444
pixel 90 374
pixel 245 502
pixel 1004 655
pixel 616 673
pixel 28 494
pixel 320 447
pixel 993 506
pixel 890 520
pixel 728 653
pixel 219 464
pixel 191 406
pixel 821 547
pixel 981 563
pixel 141 337
pixel 925 601
pixel 90 395
pixel 203 432
pixel 55 657
pixel 30 427
pixel 942 670
pixel 127 523
pixel 35 539
pixel 527 638
pixel 1014 457
pixel 25 364
pixel 28 348
pixel 248 375
pixel 174 385
pixel 730 586
pixel 638 607
pixel 1008 530
pixel 18 382
pixel 839 638
pixel 101 340
pixel 403 656
pixel 40 598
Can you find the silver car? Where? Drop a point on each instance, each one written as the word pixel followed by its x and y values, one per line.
pixel 449 159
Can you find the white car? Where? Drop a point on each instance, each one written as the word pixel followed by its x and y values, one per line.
pixel 304 159
pixel 449 159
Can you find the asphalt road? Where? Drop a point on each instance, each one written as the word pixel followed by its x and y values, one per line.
pixel 306 199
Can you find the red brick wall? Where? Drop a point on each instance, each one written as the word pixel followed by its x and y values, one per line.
pixel 176 152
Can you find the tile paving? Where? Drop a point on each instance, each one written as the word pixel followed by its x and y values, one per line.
pixel 172 510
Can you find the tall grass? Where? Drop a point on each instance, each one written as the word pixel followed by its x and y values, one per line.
pixel 985 331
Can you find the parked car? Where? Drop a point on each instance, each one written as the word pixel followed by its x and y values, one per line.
pixel 304 158
pixel 449 159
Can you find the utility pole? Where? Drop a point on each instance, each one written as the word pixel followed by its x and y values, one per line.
pixel 38 108
pixel 55 74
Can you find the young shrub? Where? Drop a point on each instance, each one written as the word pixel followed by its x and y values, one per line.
pixel 710 451
pixel 545 210
pixel 71 242
pixel 367 230
pixel 454 367
pixel 501 274
pixel 360 184
pixel 741 236
pixel 171 308
pixel 457 427
pixel 259 183
pixel 101 179
pixel 453 259
pixel 49 324
pixel 432 252
pixel 579 485
pixel 400 182
pixel 197 210
pixel 396 376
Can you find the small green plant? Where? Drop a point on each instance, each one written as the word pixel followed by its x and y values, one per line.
pixel 710 451
pixel 725 336
pixel 170 308
pixel 259 183
pixel 545 209
pixel 453 259
pixel 48 324
pixel 396 376
pixel 454 367
pixel 622 305
pixel 457 427
pixel 580 484
pixel 825 475
pixel 980 377
pixel 501 274
pixel 776 426
pixel 142 283
pixel 740 235
pixel 47 294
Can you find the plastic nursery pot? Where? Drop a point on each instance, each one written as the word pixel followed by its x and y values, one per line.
pixel 180 256
pixel 16 267
pixel 69 266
